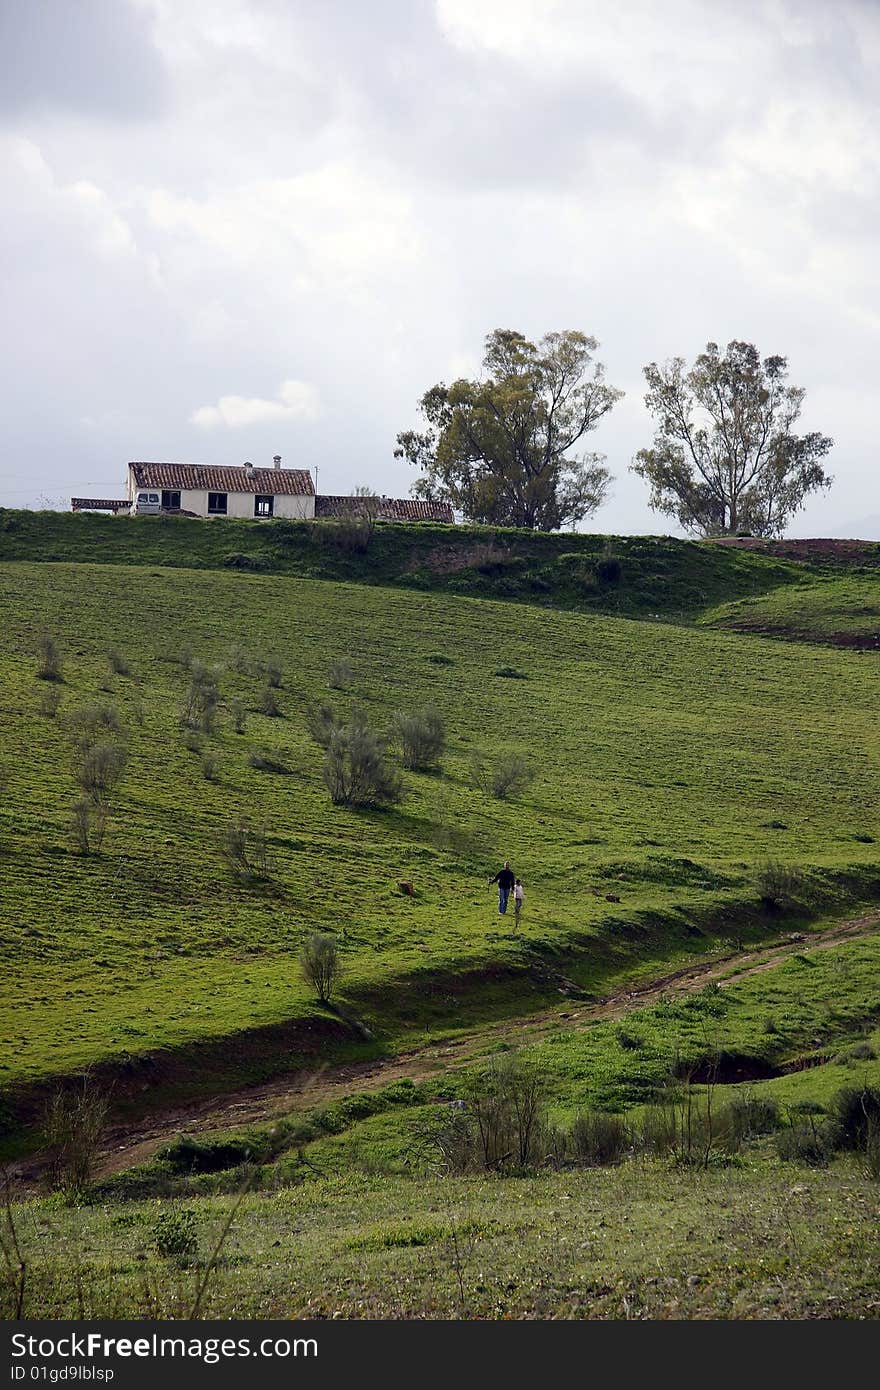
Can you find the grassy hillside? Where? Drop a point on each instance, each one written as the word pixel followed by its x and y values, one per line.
pixel 841 611
pixel 671 764
pixel 641 576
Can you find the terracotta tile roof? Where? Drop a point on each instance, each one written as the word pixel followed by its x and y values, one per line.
pixel 277 481
pixel 388 508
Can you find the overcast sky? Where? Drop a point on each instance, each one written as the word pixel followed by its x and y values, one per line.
pixel 235 228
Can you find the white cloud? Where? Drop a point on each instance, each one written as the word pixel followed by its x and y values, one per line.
pixel 297 400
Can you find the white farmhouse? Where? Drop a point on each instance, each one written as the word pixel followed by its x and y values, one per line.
pixel 199 489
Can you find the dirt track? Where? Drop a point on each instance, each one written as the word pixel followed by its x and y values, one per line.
pixel 128 1145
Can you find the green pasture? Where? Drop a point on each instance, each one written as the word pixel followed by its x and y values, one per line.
pixel 671 763
pixel 835 609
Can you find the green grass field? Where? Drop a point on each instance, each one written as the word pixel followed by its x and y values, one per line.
pixel 670 763
pixel 676 763
pixel 843 611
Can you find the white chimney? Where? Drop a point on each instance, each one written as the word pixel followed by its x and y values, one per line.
pixel 277 460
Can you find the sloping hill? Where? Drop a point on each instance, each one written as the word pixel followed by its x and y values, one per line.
pixel 642 576
pixel 670 764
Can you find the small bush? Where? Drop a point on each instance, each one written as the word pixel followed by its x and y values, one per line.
pixel 859 1052
pixel 506 776
pixel 510 673
pixel 202 698
pixel 267 760
pixel 423 738
pixel 320 964
pixel 175 1234
pixel 274 672
pixel 188 1155
pixel 92 723
pixel 805 1143
pixel 658 1131
pixel 49 664
pixel 747 1117
pixel 72 1125
pixel 778 884
pixel 854 1110
pixel 117 662
pixel 246 852
pixel 322 723
pixel 439 659
pixel 269 703
pixel 608 568
pixel 238 715
pixel 599 1139
pixel 356 771
pixel 340 676
pixel 193 742
pixel 100 769
pixel 210 767
pixel 89 825
pixel 50 701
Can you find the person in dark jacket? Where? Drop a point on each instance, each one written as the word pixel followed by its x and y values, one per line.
pixel 505 878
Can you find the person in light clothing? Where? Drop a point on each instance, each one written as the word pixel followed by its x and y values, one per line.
pixel 518 896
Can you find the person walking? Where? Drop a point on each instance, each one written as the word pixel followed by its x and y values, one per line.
pixel 505 880
pixel 518 896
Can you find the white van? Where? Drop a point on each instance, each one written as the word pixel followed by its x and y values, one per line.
pixel 147 504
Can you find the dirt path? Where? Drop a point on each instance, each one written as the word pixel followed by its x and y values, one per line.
pixel 127 1145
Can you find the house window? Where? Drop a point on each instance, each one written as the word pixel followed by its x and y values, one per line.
pixel 171 499
pixel 217 503
pixel 263 506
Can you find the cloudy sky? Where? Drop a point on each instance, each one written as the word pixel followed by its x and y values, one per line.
pixel 235 228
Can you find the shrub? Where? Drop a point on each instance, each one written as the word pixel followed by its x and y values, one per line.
pixel 507 775
pixel 423 738
pixel 188 1155
pixel 322 722
pixel 805 1143
pixel 49 664
pixel 118 664
pixel 746 1117
pixel 193 742
pixel 92 723
pixel 210 767
pixel 50 701
pixel 274 672
pixel 356 771
pixel 340 676
pixel 510 673
pixel 320 964
pixel 202 698
pixel 89 825
pixel 246 852
pixel 99 769
pixel 608 567
pixel 175 1234
pixel 72 1125
pixel 854 1111
pixel 238 715
pixel 598 1139
pixel 269 703
pixel 778 884
pixel 267 760
pixel 859 1052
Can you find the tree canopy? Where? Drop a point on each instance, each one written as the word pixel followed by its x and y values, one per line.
pixel 725 457
pixel 500 449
